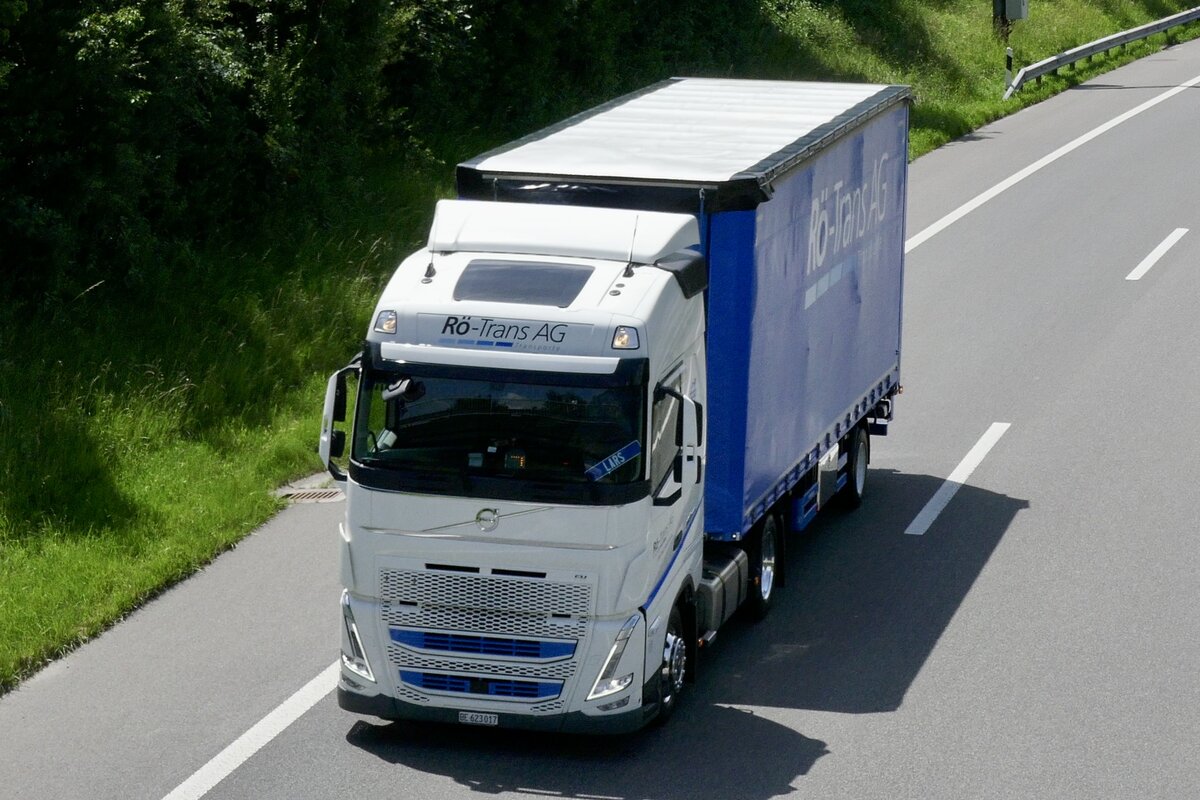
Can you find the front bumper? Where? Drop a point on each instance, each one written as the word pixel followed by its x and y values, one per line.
pixel 390 708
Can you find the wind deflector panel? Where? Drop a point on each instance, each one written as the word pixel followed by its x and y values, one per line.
pixel 472 185
pixel 521 282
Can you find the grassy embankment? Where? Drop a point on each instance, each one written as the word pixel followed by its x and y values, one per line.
pixel 143 430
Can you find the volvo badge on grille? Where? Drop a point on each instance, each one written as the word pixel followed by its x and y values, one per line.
pixel 487 519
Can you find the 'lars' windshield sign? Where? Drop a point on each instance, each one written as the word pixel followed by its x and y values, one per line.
pixel 530 336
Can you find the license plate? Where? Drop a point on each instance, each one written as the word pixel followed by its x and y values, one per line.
pixel 475 718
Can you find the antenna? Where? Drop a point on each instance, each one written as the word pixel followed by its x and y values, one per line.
pixel 632 238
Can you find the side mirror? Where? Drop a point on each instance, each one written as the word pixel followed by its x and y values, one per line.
pixel 333 442
pixel 337 444
pixel 689 437
pixel 690 424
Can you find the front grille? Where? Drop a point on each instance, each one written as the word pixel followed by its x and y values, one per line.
pixel 483 621
pixel 411 695
pixel 488 687
pixel 511 638
pixel 482 645
pixel 464 591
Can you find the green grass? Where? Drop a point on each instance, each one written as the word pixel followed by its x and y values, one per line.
pixel 144 426
pixel 948 52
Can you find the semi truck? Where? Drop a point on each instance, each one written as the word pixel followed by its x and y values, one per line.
pixel 640 350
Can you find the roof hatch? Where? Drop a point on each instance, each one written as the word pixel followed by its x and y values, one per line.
pixel 538 284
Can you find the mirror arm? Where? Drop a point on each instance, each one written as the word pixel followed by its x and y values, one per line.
pixel 670 499
pixel 336 472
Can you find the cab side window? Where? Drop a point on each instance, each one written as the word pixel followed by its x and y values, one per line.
pixel 664 422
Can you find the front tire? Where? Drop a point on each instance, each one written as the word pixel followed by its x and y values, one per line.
pixel 674 667
pixel 765 563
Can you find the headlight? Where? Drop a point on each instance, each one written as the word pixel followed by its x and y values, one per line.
pixel 356 659
pixel 386 322
pixel 625 338
pixel 608 682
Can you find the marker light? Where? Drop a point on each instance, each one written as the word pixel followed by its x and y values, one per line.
pixel 386 322
pixel 607 684
pixel 356 659
pixel 625 338
pixel 613 706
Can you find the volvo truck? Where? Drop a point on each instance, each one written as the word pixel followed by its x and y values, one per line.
pixel 640 350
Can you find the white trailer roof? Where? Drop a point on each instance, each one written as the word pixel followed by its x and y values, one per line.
pixel 690 131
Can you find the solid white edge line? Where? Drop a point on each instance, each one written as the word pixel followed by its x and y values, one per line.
pixel 966 208
pixel 957 478
pixel 253 740
pixel 1155 254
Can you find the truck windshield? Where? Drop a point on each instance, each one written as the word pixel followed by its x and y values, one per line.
pixel 486 433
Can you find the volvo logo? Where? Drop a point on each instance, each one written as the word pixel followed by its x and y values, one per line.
pixel 487 519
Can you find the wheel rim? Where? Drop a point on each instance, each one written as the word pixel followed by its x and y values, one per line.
pixel 766 575
pixel 860 468
pixel 674 665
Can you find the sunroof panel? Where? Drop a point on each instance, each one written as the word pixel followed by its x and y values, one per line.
pixel 519 282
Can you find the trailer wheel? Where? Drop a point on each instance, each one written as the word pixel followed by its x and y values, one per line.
pixel 764 566
pixel 857 458
pixel 674 666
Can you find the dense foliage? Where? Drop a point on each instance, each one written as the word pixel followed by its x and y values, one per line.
pixel 130 128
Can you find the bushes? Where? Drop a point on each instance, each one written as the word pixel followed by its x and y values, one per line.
pixel 131 130
pixel 490 69
pixel 128 128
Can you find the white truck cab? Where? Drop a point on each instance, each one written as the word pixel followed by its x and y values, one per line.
pixel 525 464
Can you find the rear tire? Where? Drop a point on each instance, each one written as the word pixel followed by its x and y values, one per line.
pixel 765 563
pixel 857 458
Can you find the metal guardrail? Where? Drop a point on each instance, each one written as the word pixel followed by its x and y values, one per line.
pixel 1054 63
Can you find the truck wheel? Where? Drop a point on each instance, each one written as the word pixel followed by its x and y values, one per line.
pixel 674 666
pixel 764 567
pixel 856 468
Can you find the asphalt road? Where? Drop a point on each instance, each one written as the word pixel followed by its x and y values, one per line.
pixel 1040 639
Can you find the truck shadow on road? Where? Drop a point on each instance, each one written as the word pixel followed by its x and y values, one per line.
pixel 864 606
pixel 865 603
pixel 705 753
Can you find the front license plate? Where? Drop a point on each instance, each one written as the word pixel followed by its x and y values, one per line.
pixel 475 718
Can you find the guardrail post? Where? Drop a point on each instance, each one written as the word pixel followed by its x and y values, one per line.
pixel 1007 68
